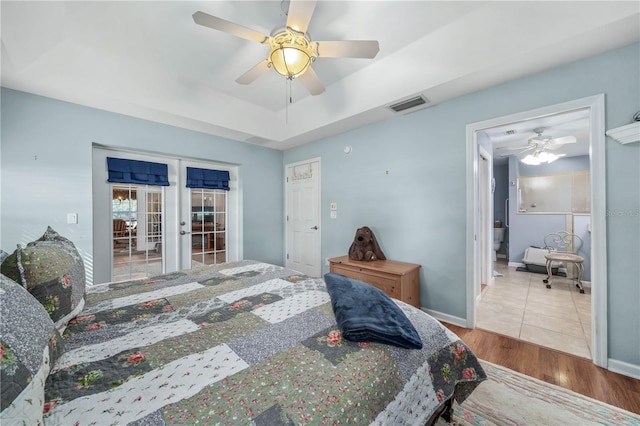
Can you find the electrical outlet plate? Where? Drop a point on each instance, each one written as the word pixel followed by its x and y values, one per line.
pixel 334 206
pixel 72 218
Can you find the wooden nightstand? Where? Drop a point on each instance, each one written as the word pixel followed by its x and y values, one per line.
pixel 399 280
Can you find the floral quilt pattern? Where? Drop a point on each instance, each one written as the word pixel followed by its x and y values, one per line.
pixel 243 343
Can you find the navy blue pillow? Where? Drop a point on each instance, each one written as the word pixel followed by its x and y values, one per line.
pixel 366 314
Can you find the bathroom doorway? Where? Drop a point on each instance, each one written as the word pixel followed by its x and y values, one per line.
pixel 476 243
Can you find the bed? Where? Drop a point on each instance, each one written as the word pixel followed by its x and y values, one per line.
pixel 243 343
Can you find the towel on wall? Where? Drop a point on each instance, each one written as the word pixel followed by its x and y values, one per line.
pixel 366 314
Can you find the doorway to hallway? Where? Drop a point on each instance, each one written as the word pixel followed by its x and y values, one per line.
pixel 476 243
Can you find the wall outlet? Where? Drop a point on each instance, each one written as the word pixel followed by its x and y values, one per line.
pixel 333 214
pixel 334 206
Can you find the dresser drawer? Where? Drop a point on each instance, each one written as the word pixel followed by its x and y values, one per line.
pixel 386 283
pixel 397 279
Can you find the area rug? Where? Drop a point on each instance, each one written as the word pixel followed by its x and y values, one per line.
pixel 523 269
pixel 511 398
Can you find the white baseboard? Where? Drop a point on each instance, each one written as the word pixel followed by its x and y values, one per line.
pixel 624 368
pixel 516 264
pixel 501 256
pixel 441 316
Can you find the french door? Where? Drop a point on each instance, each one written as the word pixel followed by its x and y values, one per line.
pixel 144 230
pixel 209 223
pixel 137 212
pixel 208 230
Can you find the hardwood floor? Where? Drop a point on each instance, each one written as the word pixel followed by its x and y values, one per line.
pixel 568 371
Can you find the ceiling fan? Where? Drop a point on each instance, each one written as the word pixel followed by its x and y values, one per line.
pixel 538 143
pixel 291 49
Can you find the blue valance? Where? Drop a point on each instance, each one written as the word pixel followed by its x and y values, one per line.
pixel 142 172
pixel 209 179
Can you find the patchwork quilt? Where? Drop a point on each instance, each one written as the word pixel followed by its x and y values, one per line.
pixel 244 343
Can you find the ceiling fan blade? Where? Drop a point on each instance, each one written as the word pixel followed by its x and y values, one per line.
pixel 220 24
pixel 299 15
pixel 348 49
pixel 255 72
pixel 513 148
pixel 563 140
pixel 519 152
pixel 312 82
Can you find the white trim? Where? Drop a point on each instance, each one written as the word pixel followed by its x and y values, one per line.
pixel 486 228
pixel 599 326
pixel 625 368
pixel 598 210
pixel 441 316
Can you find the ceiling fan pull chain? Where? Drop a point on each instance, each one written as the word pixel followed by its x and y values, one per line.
pixel 290 97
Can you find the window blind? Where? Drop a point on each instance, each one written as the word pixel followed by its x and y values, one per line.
pixel 209 179
pixel 133 171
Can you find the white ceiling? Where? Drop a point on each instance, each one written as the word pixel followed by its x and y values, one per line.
pixel 150 60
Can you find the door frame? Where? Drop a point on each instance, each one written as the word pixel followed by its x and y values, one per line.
pixel 595 104
pixel 485 159
pixel 286 212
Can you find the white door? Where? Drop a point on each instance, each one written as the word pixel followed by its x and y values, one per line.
pixel 208 220
pixel 303 218
pixel 146 245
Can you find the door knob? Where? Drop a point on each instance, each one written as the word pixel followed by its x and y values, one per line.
pixel 184 232
pixel 314 227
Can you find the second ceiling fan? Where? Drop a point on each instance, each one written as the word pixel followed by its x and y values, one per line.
pixel 539 143
pixel 291 49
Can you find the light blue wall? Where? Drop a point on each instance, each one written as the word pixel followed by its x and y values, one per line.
pixel 46 158
pixel 418 209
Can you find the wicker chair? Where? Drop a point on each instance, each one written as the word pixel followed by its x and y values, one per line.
pixel 119 230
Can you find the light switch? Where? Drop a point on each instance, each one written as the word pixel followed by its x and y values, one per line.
pixel 334 214
pixel 72 218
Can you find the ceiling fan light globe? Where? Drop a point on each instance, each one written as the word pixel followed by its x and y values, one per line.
pixel 291 52
pixel 289 61
pixel 531 160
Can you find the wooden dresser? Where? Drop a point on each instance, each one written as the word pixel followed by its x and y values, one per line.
pixel 399 280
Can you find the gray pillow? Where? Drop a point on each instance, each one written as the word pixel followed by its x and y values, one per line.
pixel 52 270
pixel 44 272
pixel 29 345
pixel 77 271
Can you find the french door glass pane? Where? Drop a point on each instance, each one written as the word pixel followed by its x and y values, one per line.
pixel 137 231
pixel 208 226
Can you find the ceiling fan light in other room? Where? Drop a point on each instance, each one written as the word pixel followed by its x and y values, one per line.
pixel 291 53
pixel 540 157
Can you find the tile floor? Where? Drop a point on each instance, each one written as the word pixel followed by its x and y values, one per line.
pixel 519 305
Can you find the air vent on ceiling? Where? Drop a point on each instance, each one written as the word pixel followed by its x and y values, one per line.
pixel 409 103
pixel 510 132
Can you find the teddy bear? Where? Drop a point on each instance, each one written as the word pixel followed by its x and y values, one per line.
pixel 365 246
